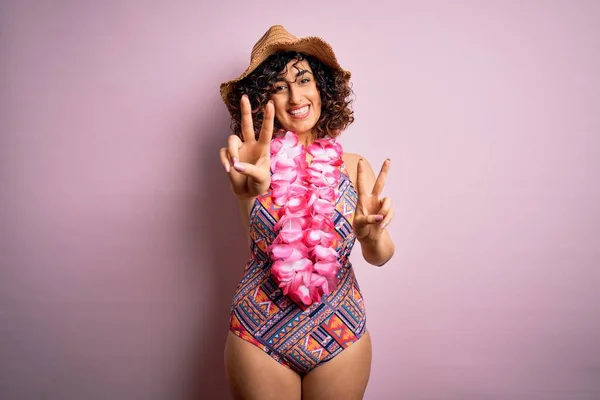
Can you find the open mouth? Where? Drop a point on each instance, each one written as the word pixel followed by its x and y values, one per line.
pixel 300 113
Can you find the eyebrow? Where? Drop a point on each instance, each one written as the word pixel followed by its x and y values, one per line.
pixel 298 75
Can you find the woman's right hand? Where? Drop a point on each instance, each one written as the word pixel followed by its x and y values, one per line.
pixel 248 163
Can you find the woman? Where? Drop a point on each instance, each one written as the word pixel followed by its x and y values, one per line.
pixel 298 324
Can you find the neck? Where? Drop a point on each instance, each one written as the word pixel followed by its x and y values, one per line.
pixel 305 138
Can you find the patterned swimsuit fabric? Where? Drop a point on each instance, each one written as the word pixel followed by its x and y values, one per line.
pixel 298 336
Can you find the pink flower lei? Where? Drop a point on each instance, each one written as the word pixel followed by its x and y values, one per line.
pixel 305 262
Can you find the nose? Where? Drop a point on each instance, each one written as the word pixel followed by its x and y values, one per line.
pixel 294 95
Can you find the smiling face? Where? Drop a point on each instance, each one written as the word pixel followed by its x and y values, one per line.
pixel 296 98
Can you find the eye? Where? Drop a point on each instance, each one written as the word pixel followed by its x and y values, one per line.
pixel 279 88
pixel 305 81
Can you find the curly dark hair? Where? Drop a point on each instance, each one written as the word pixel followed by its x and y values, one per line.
pixel 334 88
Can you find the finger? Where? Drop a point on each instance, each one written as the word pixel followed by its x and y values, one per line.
pixel 361 177
pixel 359 222
pixel 266 131
pixel 368 219
pixel 388 218
pixel 225 159
pixel 386 206
pixel 233 145
pixel 247 125
pixel 251 171
pixel 380 182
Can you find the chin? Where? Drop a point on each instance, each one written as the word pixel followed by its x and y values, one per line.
pixel 305 126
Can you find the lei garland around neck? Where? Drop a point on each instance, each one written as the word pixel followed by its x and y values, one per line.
pixel 305 264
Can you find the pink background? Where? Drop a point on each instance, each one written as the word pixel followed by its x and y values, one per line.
pixel 121 244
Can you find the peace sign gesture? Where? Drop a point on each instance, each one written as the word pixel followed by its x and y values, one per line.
pixel 250 159
pixel 372 213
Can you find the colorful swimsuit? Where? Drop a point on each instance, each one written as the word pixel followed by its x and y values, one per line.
pixel 297 336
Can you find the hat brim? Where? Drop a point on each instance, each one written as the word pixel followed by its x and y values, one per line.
pixel 311 45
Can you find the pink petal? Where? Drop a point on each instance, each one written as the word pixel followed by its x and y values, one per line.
pixel 325 253
pixel 279 187
pixel 289 252
pixel 284 174
pixel 278 163
pixel 304 295
pixel 327 268
pixel 320 282
pixel 295 283
pixel 276 145
pixel 290 139
pixel 323 207
pixel 297 203
pixel 315 294
pixel 327 193
pixel 283 270
pixel 322 223
pixel 286 287
pixel 292 236
pixel 286 271
pixel 327 239
pixel 291 221
pixel 332 283
pixel 312 237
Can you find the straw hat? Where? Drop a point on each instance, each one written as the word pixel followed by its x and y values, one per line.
pixel 277 38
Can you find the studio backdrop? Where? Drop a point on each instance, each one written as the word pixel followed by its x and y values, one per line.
pixel 121 243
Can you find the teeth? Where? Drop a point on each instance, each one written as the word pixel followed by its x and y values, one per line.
pixel 300 111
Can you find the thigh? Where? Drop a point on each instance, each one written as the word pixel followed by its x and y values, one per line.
pixel 254 375
pixel 343 377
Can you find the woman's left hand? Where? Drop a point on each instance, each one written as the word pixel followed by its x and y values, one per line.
pixel 373 213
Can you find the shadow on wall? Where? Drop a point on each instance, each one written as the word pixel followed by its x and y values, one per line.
pixel 218 225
